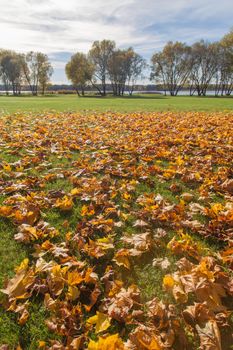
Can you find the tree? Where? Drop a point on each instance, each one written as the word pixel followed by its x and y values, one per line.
pixel 204 66
pixel 37 70
pixel 124 68
pixel 3 70
pixel 44 76
pixel 135 66
pixel 11 71
pixel 117 71
pixel 171 67
pixel 100 54
pixel 80 71
pixel 224 74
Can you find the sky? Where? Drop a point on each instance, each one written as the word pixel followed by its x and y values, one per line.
pixel 60 28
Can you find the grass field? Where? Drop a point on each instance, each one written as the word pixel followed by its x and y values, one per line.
pixel 103 213
pixel 63 103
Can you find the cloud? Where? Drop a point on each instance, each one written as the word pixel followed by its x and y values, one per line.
pixel 54 26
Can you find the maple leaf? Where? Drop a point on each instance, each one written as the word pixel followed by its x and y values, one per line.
pixel 168 281
pixel 99 247
pixel 227 255
pixel 187 197
pixel 5 211
pixel 28 233
pixel 144 338
pixel 65 204
pixel 22 309
pixel 28 213
pixel 111 342
pixel 7 167
pixel 140 223
pixel 228 185
pixel 185 245
pixel 200 317
pixel 41 344
pixel 73 293
pixel 163 263
pixel 74 278
pixel 87 211
pixel 122 258
pixel 94 295
pixel 141 242
pixel 56 279
pixel 101 321
pixel 19 287
pixel 120 306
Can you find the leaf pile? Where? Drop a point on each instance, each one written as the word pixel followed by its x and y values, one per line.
pixel 95 198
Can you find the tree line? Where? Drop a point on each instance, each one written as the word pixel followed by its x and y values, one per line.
pixel 197 66
pixel 17 70
pixel 177 66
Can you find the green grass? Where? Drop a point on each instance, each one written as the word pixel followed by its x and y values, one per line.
pixel 61 103
pixel 29 335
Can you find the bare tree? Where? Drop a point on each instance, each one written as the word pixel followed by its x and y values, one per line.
pixel 36 67
pixel 224 74
pixel 204 66
pixel 11 71
pixel 44 76
pixel 135 66
pixel 100 54
pixel 3 70
pixel 124 68
pixel 117 71
pixel 172 66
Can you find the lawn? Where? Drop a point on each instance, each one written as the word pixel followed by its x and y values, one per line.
pixel 116 228
pixel 63 103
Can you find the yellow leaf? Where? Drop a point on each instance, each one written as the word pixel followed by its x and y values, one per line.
pixel 153 345
pixel 41 344
pixel 121 258
pixel 87 211
pixel 92 320
pixel 23 265
pixel 197 176
pixel 73 292
pixel 179 161
pixel 5 210
pixel 112 342
pixel 64 204
pixel 24 317
pixel 168 281
pixel 101 321
pixel 74 278
pixel 19 168
pixel 7 167
pixel 74 191
pixel 126 196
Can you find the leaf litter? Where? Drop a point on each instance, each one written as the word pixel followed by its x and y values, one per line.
pixel 112 217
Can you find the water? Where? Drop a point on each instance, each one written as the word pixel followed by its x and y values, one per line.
pixel 2 92
pixel 180 93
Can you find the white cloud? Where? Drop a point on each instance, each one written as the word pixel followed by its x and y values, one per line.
pixel 54 26
pixel 58 25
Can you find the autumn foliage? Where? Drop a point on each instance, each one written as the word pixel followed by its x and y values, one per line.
pixel 138 189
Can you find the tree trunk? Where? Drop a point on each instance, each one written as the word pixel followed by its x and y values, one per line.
pixel 77 92
pixel 104 89
pixel 96 87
